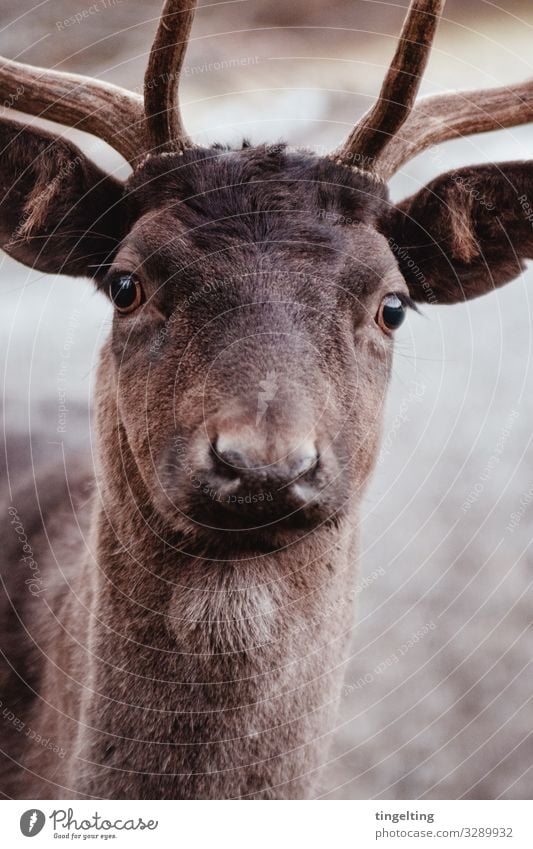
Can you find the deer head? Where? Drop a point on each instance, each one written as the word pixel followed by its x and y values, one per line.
pixel 256 291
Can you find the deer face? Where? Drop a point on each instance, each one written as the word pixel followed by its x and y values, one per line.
pixel 256 303
pixel 257 291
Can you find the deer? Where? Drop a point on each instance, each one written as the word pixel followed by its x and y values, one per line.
pixel 188 629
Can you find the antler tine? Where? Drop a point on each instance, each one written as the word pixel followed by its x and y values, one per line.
pixel 164 127
pixel 399 90
pixel 441 117
pixel 102 109
pixel 121 118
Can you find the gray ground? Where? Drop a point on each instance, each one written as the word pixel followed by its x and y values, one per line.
pixel 448 713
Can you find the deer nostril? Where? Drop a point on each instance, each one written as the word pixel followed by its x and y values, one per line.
pixel 228 463
pixel 306 464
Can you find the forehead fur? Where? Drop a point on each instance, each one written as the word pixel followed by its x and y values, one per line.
pixel 262 195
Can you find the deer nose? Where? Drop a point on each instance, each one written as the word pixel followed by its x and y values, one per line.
pixel 236 460
pixel 247 474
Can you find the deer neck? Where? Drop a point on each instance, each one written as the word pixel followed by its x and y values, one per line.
pixel 227 670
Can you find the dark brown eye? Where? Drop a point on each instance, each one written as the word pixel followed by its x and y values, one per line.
pixel 391 313
pixel 126 293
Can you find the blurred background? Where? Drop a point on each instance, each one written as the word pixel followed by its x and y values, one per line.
pixel 437 701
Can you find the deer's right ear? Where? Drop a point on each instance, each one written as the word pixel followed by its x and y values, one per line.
pixel 59 213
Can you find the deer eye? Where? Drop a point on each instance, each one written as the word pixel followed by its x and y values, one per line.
pixel 126 293
pixel 391 313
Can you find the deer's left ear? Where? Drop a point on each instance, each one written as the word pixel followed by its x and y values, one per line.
pixel 466 233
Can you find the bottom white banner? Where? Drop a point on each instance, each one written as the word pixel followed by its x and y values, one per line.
pixel 317 824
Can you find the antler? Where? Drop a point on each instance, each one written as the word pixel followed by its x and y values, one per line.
pixel 104 110
pixel 163 119
pixel 399 90
pixel 395 129
pixel 392 132
pixel 445 116
pixel 117 116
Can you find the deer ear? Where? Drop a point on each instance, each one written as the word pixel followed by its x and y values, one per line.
pixel 59 213
pixel 466 233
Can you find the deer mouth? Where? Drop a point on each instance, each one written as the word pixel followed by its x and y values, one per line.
pixel 237 532
pixel 262 511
